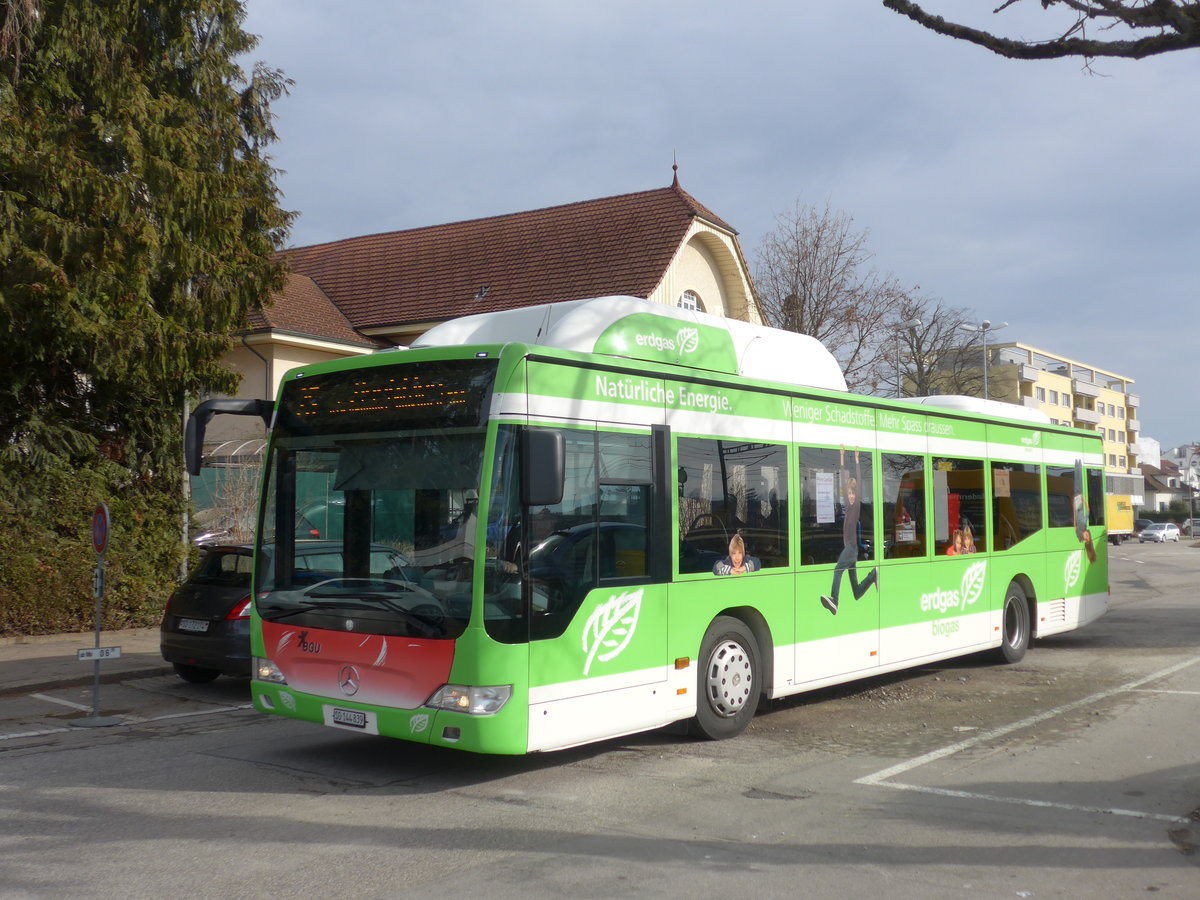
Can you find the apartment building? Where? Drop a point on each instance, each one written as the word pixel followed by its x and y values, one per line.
pixel 1084 396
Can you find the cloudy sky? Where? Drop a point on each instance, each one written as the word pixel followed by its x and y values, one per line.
pixel 1062 202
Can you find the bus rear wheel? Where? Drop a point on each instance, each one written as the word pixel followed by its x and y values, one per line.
pixel 1014 627
pixel 727 680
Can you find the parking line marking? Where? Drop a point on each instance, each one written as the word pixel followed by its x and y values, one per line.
pixel 125 720
pixel 138 720
pixel 25 734
pixel 883 776
pixel 1044 804
pixel 83 707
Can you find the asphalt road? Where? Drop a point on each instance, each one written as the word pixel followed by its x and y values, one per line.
pixel 1071 774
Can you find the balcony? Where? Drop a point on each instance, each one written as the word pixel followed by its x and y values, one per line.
pixel 1031 403
pixel 1133 401
pixel 1133 425
pixel 1085 388
pixel 1086 416
pixel 1028 373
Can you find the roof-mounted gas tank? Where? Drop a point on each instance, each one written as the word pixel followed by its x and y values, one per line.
pixel 638 329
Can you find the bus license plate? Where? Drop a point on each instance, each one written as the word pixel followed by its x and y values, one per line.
pixel 353 719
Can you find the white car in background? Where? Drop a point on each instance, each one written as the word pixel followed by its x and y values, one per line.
pixel 1159 531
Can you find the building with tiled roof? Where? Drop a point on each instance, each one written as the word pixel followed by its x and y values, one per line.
pixel 352 296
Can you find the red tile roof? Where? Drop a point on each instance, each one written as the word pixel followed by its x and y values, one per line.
pixel 614 245
pixel 303 308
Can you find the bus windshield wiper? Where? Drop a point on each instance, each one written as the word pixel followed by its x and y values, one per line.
pixel 357 601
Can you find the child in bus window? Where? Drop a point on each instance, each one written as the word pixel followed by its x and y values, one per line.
pixel 737 562
pixel 968 537
pixel 956 543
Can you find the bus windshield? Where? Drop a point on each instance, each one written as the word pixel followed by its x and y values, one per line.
pixel 370 510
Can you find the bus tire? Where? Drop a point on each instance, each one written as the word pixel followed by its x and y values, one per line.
pixel 1014 625
pixel 728 680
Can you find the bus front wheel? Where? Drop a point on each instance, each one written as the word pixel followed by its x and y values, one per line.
pixel 727 681
pixel 1014 628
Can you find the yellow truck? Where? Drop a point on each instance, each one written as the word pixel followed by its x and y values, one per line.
pixel 1119 500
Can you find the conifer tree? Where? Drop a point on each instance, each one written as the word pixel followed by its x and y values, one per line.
pixel 138 220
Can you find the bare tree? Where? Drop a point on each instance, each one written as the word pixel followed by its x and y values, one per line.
pixel 931 354
pixel 813 277
pixel 1140 28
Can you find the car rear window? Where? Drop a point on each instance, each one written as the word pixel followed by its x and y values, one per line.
pixel 224 568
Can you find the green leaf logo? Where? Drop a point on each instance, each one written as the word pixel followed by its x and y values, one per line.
pixel 610 628
pixel 688 340
pixel 418 723
pixel 972 583
pixel 1072 569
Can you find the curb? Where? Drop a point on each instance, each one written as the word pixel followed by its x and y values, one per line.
pixel 10 690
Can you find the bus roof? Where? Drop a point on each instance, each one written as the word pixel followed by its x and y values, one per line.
pixel 990 408
pixel 638 329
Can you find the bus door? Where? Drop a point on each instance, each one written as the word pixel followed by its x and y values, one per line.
pixel 837 585
pixel 597 622
pixel 906 551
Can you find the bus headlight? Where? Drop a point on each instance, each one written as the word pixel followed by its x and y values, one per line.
pixel 265 670
pixel 474 700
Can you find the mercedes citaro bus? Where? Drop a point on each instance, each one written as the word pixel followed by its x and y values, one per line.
pixel 614 515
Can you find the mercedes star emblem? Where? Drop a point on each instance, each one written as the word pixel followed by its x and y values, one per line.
pixel 348 680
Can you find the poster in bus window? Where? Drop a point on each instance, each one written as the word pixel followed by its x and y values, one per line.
pixel 826 498
pixel 847 561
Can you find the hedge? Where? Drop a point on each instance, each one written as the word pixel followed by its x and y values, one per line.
pixel 46 555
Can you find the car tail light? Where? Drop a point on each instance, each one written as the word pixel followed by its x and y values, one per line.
pixel 241 610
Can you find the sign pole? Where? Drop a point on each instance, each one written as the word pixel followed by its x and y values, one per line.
pixel 100 533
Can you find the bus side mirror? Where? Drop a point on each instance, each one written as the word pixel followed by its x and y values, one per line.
pixel 193 438
pixel 543 464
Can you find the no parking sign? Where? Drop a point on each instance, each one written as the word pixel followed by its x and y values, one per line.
pixel 100 524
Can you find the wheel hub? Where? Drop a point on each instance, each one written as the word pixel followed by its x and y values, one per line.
pixel 729 679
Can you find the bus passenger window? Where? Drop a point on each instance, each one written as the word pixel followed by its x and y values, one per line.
pixel 1060 496
pixel 837 497
pixel 903 505
pixel 1095 496
pixel 728 488
pixel 958 509
pixel 1016 503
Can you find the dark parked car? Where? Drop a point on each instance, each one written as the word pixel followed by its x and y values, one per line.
pixel 205 630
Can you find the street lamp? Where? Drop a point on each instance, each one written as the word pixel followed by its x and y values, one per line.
pixel 982 329
pixel 910 325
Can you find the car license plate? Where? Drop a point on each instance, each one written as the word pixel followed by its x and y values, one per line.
pixel 353 719
pixel 200 626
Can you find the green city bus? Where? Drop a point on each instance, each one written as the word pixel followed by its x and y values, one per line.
pixel 615 515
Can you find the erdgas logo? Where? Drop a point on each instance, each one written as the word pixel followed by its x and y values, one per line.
pixel 968 593
pixel 1072 568
pixel 610 628
pixel 686 340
